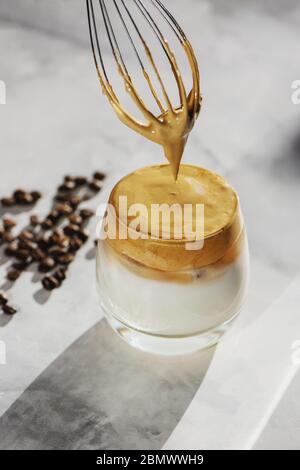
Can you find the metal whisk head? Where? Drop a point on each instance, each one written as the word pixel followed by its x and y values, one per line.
pixel 110 22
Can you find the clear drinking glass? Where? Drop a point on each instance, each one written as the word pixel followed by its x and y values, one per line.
pixel 180 309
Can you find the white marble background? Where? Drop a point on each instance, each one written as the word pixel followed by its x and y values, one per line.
pixel 55 122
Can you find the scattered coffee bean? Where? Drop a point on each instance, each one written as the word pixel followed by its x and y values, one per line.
pixel 19 265
pixel 46 265
pixel 67 186
pixel 60 274
pixel 8 237
pixel 8 310
pixel 38 255
pixel 64 209
pixel 22 254
pixel 86 214
pixel 74 201
pixel 47 224
pixel 50 283
pixel 36 195
pixel 75 244
pixel 26 235
pixel 13 274
pixel 71 229
pixel 8 201
pixel 95 186
pixel 98 175
pixel 83 235
pixel 80 181
pixel 34 220
pixel 75 219
pixel 8 224
pixel 12 249
pixel 3 299
pixel 66 258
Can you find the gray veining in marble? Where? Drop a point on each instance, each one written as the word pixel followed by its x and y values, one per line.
pixel 101 394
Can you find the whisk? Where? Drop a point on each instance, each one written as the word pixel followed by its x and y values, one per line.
pixel 171 126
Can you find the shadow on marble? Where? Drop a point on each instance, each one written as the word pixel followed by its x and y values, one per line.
pixel 102 394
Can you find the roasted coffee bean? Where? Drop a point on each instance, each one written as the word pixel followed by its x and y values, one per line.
pixel 66 258
pixel 45 241
pixel 9 310
pixel 46 265
pixel 8 224
pixel 19 195
pixel 95 186
pixel 71 229
pixel 62 197
pixel 68 186
pixel 57 252
pixel 38 255
pixel 34 220
pixel 98 175
pixel 80 181
pixel 3 299
pixel 12 248
pixel 64 209
pixel 60 274
pixel 27 200
pixel 47 224
pixel 86 214
pixel 8 237
pixel 68 178
pixel 20 265
pixel 75 244
pixel 8 201
pixel 74 201
pixel 50 283
pixel 26 235
pixel 22 254
pixel 54 216
pixel 36 195
pixel 83 235
pixel 75 219
pixel 13 274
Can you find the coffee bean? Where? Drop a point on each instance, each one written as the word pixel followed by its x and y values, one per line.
pixel 74 201
pixel 80 181
pixel 3 299
pixel 8 237
pixel 71 229
pixel 67 186
pixel 95 186
pixel 66 258
pixel 54 216
pixel 8 310
pixel 13 274
pixel 75 219
pixel 98 175
pixel 75 244
pixel 11 249
pixel 60 274
pixel 26 235
pixel 86 214
pixel 64 209
pixel 38 255
pixel 83 235
pixel 57 252
pixel 47 224
pixel 34 220
pixel 36 195
pixel 46 265
pixel 62 197
pixel 19 195
pixel 22 254
pixel 8 224
pixel 50 283
pixel 68 178
pixel 19 265
pixel 8 201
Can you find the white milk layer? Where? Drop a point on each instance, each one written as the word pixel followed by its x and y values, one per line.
pixel 170 308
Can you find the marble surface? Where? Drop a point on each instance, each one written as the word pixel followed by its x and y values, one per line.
pixel 55 122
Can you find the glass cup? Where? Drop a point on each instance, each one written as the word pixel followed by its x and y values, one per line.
pixel 160 296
